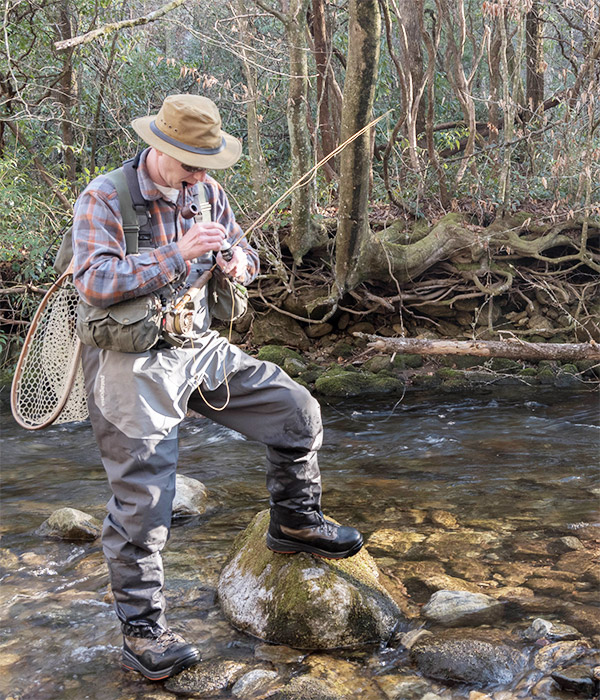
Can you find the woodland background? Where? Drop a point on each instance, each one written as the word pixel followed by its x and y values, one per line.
pixel 470 210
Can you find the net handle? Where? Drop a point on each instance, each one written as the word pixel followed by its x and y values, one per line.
pixel 14 390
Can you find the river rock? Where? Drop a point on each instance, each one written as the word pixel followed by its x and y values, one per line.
pixel 206 678
pixel 577 679
pixel 278 654
pixel 442 518
pixel 402 687
pixel 552 631
pixel 302 601
pixel 190 497
pixel 585 618
pixel 450 545
pixel 550 587
pixel 256 684
pixel 70 524
pixel 398 542
pixel 460 608
pixel 468 656
pixel 307 688
pixel 559 654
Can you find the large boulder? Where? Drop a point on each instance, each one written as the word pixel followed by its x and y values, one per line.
pixel 303 601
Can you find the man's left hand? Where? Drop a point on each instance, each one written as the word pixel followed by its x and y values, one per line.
pixel 237 266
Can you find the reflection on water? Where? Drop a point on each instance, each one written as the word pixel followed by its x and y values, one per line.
pixel 527 465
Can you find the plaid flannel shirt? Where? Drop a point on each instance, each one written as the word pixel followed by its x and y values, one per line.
pixel 104 274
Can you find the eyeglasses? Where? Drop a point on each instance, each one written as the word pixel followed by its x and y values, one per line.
pixel 191 168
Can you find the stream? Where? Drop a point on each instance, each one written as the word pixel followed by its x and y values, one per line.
pixel 522 464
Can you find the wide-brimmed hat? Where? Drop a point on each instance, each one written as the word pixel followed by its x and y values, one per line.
pixel 188 128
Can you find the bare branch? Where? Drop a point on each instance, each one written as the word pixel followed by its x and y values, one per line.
pixel 109 29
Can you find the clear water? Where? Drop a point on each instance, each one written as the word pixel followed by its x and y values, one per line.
pixel 528 459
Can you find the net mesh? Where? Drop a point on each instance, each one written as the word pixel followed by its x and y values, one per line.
pixel 47 365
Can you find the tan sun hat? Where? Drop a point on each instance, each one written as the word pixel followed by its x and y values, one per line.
pixel 188 128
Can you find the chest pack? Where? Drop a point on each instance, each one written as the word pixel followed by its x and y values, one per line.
pixel 137 324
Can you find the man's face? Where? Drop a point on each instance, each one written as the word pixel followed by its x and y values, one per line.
pixel 174 173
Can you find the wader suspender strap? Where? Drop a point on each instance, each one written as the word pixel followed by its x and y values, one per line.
pixel 131 227
pixel 203 204
pixel 134 208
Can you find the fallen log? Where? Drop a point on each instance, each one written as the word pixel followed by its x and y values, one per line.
pixel 512 348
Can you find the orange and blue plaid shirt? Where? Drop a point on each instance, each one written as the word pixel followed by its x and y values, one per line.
pixel 104 274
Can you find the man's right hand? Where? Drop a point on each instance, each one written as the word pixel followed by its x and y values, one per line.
pixel 200 239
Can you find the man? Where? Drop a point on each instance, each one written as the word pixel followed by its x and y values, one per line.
pixel 137 401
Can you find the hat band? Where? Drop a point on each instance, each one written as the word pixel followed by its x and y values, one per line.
pixel 186 147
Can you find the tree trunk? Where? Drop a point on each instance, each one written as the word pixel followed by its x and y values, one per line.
pixel 411 13
pixel 258 167
pixel 65 96
pixel 535 58
pixel 323 53
pixel 303 235
pixel 515 349
pixel 359 91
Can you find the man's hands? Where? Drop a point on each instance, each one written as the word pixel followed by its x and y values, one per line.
pixel 202 238
pixel 237 266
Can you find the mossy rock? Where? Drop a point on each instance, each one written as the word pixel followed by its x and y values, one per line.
pixel 566 380
pixel 293 366
pixel 591 368
pixel 408 361
pixel 426 381
pixel 342 349
pixel 378 363
pixel 504 364
pixel 456 384
pixel 448 373
pixel 278 354
pixel 528 372
pixel 302 601
pixel 545 375
pixel 345 384
pixel 569 368
pixel 461 361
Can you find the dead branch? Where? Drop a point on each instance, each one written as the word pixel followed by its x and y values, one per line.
pixel 514 349
pixel 109 29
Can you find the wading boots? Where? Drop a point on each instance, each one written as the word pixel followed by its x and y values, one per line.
pixel 323 538
pixel 155 652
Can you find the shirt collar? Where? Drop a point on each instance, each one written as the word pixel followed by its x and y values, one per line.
pixel 148 187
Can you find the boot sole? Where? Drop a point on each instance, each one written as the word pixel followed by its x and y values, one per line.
pixel 132 664
pixel 288 547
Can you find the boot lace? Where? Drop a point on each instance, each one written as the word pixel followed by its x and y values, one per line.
pixel 168 638
pixel 326 526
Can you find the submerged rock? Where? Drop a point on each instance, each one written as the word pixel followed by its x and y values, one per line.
pixel 468 656
pixel 70 524
pixel 206 678
pixel 302 601
pixel 307 688
pixel 552 631
pixel 577 679
pixel 256 684
pixel 459 608
pixel 190 497
pixel 559 654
